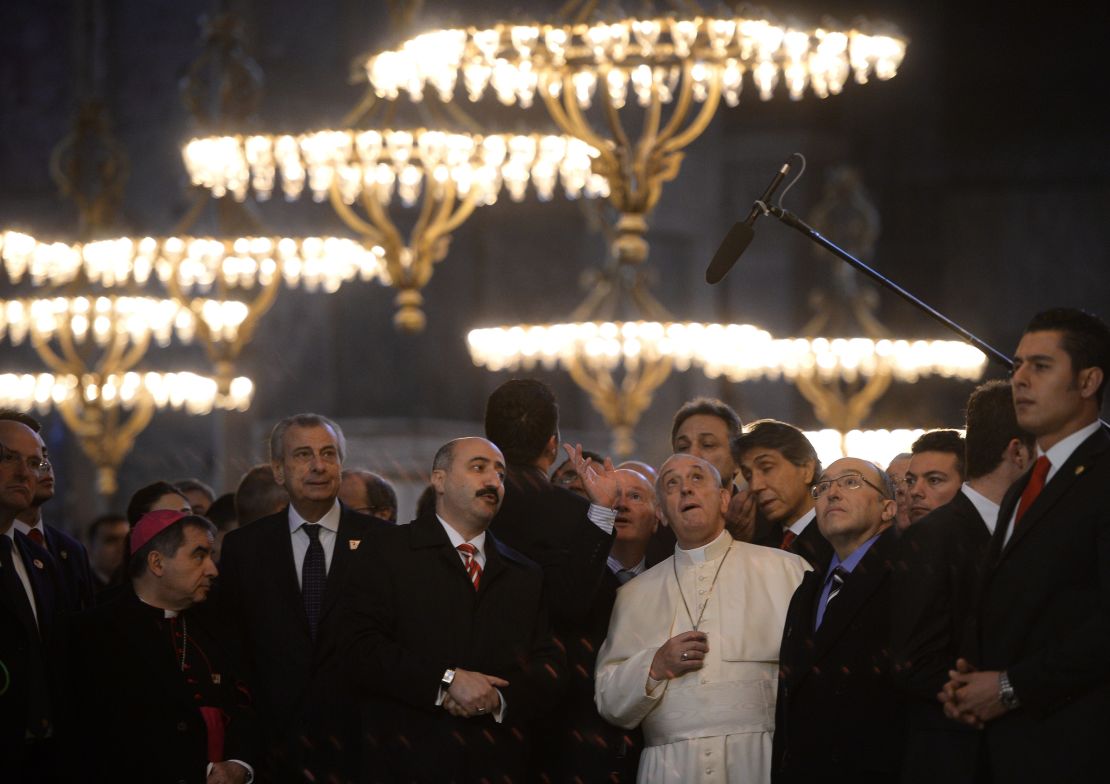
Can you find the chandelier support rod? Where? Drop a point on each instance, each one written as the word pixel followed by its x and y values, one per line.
pixel 794 222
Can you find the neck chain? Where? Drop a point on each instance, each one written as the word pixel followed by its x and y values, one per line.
pixel 712 585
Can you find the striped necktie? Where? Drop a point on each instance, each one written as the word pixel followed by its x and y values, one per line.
pixel 470 559
pixel 839 575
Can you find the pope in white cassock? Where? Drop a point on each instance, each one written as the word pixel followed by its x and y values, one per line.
pixel 693 646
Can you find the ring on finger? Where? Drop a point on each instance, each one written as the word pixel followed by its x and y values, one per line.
pixel 685 655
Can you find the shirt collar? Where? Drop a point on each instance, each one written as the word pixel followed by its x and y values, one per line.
pixel 616 566
pixel 1061 451
pixel 707 552
pixel 330 520
pixel 852 561
pixel 456 538
pixel 986 508
pixel 800 524
pixel 23 528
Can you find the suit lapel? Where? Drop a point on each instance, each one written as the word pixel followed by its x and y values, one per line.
pixel 427 532
pixel 1062 481
pixel 495 564
pixel 870 573
pixel 340 560
pixel 39 563
pixel 279 541
pixel 799 628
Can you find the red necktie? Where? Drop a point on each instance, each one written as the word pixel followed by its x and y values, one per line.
pixel 787 539
pixel 36 537
pixel 470 556
pixel 1033 489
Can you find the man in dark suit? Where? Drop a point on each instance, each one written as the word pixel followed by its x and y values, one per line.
pixel 937 564
pixel 31 603
pixel 70 558
pixel 448 635
pixel 567 535
pixel 1034 675
pixel 578 745
pixel 779 464
pixel 155 695
pixel 837 716
pixel 282 578
pixel 935 472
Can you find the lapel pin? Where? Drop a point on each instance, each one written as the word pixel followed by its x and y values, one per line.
pixel 1080 469
pixel 64 554
pixel 215 679
pixel 38 564
pixel 354 543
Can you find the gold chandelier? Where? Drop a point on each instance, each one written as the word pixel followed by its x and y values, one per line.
pixel 591 73
pixel 447 174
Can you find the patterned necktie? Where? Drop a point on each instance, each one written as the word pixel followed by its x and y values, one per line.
pixel 470 558
pixel 35 535
pixel 1034 488
pixel 624 575
pixel 787 539
pixel 839 575
pixel 314 576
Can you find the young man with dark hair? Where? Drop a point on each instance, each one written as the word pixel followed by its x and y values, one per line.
pixel 107 537
pixel 1034 670
pixel 155 694
pixel 935 472
pixel 780 464
pixel 199 495
pixel 939 558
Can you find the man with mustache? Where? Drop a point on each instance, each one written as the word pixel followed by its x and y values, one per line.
pixel 69 555
pixel 692 652
pixel 154 696
pixel 449 646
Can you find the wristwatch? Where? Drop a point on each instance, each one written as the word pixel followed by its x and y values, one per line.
pixel 1006 693
pixel 447 679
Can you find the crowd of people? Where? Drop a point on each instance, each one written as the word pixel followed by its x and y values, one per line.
pixel 738 613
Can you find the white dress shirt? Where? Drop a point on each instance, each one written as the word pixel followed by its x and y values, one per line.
pixel 329 530
pixel 479 543
pixel 21 570
pixel 800 524
pixel 986 508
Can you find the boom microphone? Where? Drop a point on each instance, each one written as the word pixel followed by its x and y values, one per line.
pixel 741 234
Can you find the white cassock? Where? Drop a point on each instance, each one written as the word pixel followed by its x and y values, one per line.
pixel 714 724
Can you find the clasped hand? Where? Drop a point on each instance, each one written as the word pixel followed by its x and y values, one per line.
pixel 971 696
pixel 473 694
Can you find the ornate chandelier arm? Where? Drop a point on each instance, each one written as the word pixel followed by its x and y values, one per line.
pixel 568 116
pixel 446 221
pixel 50 357
pixel 351 218
pixel 122 357
pixel 429 204
pixel 614 119
pixel 681 107
pixel 379 218
pixel 701 122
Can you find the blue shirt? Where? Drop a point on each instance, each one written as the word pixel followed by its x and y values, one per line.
pixel 848 564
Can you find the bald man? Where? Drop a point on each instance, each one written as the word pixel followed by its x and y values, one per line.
pixel 839 717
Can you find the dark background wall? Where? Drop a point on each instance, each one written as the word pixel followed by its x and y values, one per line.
pixel 985 157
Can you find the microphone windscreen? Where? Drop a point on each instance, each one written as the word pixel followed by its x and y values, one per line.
pixel 734 243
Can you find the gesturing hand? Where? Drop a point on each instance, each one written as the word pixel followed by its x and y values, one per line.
pixel 600 481
pixel 679 655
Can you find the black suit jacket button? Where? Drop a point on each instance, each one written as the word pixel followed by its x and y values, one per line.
pixel 182 726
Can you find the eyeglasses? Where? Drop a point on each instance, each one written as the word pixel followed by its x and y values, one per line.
pixel 845 482
pixel 9 458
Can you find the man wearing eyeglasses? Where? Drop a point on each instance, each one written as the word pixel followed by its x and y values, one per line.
pixel 837 716
pixel 29 595
pixel 70 557
pixel 281 578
